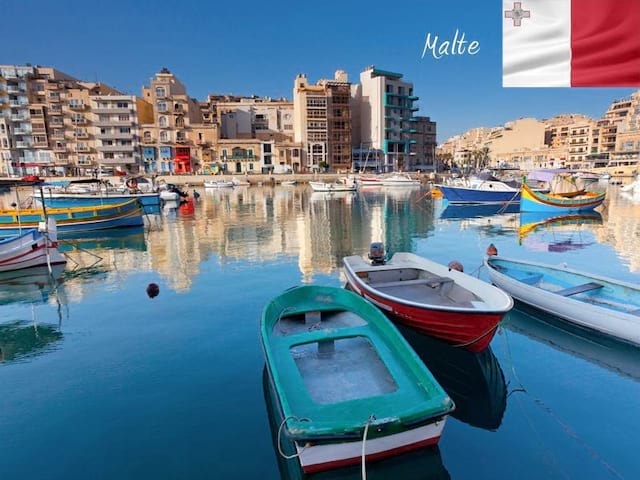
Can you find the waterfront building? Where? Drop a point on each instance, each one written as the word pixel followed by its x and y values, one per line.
pixel 422 153
pixel 167 147
pixel 384 105
pixel 518 135
pixel 322 122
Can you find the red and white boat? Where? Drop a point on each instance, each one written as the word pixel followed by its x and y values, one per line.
pixel 434 299
pixel 30 249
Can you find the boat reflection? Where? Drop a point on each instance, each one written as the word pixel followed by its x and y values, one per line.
pixel 598 349
pixel 424 463
pixel 21 340
pixel 474 381
pixel 478 210
pixel 31 285
pixel 562 230
pixel 121 238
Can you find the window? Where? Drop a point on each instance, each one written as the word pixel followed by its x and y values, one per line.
pixel 179 122
pixel 163 136
pixel 147 136
pixel 162 121
pixel 125 130
pixel 160 92
pixel 162 106
pixel 267 148
pixel 224 153
pixel 123 118
pixel 250 152
pixel 123 105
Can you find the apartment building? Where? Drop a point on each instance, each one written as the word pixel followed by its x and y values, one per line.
pixel 322 122
pixel 385 106
pixel 423 151
pixel 521 134
pixel 167 146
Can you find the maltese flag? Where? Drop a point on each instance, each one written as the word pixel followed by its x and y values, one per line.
pixel 571 43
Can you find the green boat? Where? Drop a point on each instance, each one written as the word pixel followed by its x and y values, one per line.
pixel 349 388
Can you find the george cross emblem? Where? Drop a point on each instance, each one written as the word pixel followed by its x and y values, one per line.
pixel 517 14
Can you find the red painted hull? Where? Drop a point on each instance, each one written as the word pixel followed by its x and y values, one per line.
pixel 470 330
pixel 370 458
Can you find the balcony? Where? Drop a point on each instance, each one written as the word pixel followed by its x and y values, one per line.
pixel 147 140
pixel 112 123
pixel 115 136
pixel 83 148
pixel 60 148
pixel 57 136
pixel 115 148
pixel 112 110
pixel 40 144
pixel 77 106
pixel 79 121
pixel 24 144
pixel 117 161
pixel 22 131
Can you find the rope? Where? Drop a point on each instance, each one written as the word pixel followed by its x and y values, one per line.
pixel 364 441
pixel 282 454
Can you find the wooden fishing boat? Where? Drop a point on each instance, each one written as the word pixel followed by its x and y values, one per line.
pixel 536 201
pixel 347 384
pixel 149 201
pixel 73 220
pixel 429 297
pixel 606 305
pixel 29 249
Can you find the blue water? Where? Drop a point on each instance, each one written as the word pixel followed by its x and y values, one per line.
pixel 100 381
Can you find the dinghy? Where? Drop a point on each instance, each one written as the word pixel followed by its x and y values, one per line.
pixel 594 302
pixel 432 298
pixel 348 386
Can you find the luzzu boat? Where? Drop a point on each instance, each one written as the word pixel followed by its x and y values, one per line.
pixel 347 384
pixel 535 201
pixel 588 301
pixel 65 200
pixel 73 220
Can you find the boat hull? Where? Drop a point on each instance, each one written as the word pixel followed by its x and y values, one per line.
pixel 331 187
pixel 150 201
pixel 471 324
pixel 586 309
pixel 464 195
pixel 28 250
pixel 74 220
pixel 532 201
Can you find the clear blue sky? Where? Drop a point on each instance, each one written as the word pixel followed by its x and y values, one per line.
pixel 257 47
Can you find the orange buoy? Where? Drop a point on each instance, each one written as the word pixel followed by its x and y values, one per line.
pixel 492 250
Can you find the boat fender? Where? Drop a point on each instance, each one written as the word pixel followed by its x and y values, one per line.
pixel 455 265
pixel 132 183
pixel 492 250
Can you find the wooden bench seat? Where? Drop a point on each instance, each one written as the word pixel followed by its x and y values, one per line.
pixel 585 287
pixel 431 282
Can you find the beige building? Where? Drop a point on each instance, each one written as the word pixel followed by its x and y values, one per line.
pixel 422 153
pixel 519 135
pixel 322 122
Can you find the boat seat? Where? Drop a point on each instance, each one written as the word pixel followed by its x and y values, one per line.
pixel 530 279
pixel 635 312
pixel 432 282
pixel 585 287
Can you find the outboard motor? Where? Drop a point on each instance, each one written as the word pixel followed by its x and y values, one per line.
pixel 376 253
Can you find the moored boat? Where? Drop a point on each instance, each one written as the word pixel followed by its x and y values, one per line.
pixel 31 248
pixel 347 385
pixel 482 189
pixel 219 184
pixel 432 298
pixel 536 201
pixel 590 301
pixel 149 201
pixel 332 187
pixel 73 219
pixel 400 180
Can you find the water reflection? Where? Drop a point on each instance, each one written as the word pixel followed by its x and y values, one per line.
pixel 557 233
pixel 593 347
pixel 477 210
pixel 474 381
pixel 425 463
pixel 32 285
pixel 20 340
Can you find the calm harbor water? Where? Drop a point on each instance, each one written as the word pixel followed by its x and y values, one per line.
pixel 99 381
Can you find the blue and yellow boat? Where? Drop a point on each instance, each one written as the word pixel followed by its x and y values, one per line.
pixel 536 201
pixel 73 220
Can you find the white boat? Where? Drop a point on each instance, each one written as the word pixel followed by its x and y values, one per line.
pixel 219 184
pixel 400 180
pixel 239 183
pixel 332 187
pixel 288 183
pixel 633 187
pixel 169 196
pixel 589 301
pixel 30 249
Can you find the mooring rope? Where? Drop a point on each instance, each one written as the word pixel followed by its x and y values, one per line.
pixel 364 442
pixel 284 455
